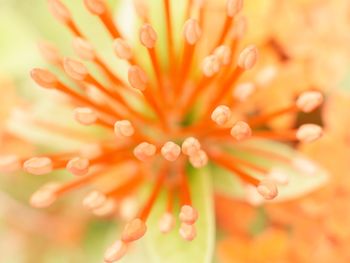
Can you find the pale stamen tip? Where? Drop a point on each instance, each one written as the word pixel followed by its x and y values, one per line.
pixel 233 7
pixel 85 115
pixel 248 57
pixel 309 132
pixel 309 101
pixel 9 164
pixel 44 78
pixel 115 252
pixel 188 232
pixel 124 128
pixel 108 208
pixel 243 91
pixel 75 69
pixel 190 146
pixel 78 166
pixel 144 151
pixel 221 115
pixel 49 52
pixel 137 78
pixel 166 223
pixel 188 215
pixel 59 11
pixel 192 31
pixel 224 54
pixel 199 159
pixel 148 36
pixel 96 7
pixel 171 151
pixel 94 200
pixel 267 189
pixel 38 165
pixel 211 65
pixel 241 131
pixel 45 196
pixel 122 49
pixel 83 49
pixel 134 230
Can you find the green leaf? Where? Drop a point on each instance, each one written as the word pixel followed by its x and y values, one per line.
pixel 171 248
pixel 301 181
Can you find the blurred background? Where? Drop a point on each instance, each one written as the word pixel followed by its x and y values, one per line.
pixel 315 33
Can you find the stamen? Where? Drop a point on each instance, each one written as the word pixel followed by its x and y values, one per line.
pixel 44 78
pixel 171 151
pixel 304 165
pixel 94 200
pixel 9 164
pixel 115 252
pixel 144 151
pixel 211 65
pixel 309 101
pixel 134 230
pixel 83 49
pixel 224 54
pixel 38 165
pixel 265 76
pixel 221 115
pixel 137 78
pixel 59 11
pixel 278 176
pixel 248 57
pixel 233 7
pixel 128 208
pixel 124 128
pixel 85 116
pixel 108 208
pixel 75 69
pixel 309 133
pixel 241 131
pixel 97 7
pixel 199 159
pixel 187 232
pixel 267 189
pixel 188 215
pixel 190 146
pixel 148 36
pixel 122 49
pixel 49 52
pixel 192 31
pixel 78 166
pixel 45 196
pixel 238 30
pixel 243 91
pixel 166 223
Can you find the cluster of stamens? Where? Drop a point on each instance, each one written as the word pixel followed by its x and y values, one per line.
pixel 109 106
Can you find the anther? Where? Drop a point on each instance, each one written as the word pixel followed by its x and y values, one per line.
pixel 148 36
pixel 83 49
pixel 49 52
pixel 309 101
pixel 9 164
pixel 94 200
pixel 239 28
pixel 59 11
pixel 224 54
pixel 45 196
pixel 211 65
pixel 188 232
pixel 115 252
pixel 267 189
pixel 190 146
pixel 199 159
pixel 243 91
pixel 75 69
pixel 78 166
pixel 233 7
pixel 241 131
pixel 38 165
pixel 108 208
pixel 278 176
pixel 166 223
pixel 96 7
pixel 134 230
pixel 44 78
pixel 137 78
pixel 144 151
pixel 192 31
pixel 309 133
pixel 221 115
pixel 124 128
pixel 85 115
pixel 188 215
pixel 122 49
pixel 248 57
pixel 171 151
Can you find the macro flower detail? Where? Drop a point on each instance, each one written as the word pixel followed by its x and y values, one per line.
pixel 182 109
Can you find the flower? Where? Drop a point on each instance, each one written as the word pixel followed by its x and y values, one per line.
pixel 195 108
